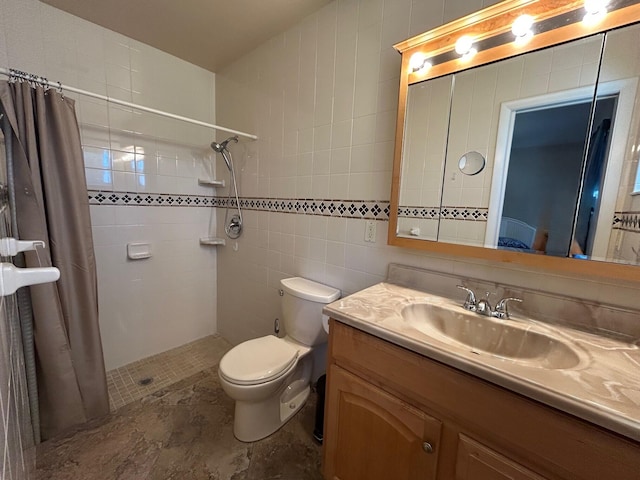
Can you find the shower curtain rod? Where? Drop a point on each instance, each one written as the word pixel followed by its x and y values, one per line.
pixel 11 73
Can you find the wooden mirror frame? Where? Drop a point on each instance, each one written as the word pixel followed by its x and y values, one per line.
pixel 484 25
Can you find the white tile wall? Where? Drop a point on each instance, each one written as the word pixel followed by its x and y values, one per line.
pixel 250 95
pixel 157 303
pixel 151 305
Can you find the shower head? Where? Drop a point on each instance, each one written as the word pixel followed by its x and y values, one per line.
pixel 220 147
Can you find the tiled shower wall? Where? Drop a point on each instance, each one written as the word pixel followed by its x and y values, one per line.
pixel 322 97
pixel 146 306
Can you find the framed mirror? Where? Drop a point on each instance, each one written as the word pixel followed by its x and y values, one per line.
pixel 553 117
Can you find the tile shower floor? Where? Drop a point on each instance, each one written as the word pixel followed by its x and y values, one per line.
pixel 181 428
pixel 138 379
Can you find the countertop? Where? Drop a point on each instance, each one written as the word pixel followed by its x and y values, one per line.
pixel 604 388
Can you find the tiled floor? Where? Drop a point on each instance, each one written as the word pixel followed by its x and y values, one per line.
pixel 181 432
pixel 127 384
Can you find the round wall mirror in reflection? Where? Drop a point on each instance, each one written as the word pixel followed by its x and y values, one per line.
pixel 471 163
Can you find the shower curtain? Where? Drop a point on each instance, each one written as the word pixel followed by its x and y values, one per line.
pixel 51 204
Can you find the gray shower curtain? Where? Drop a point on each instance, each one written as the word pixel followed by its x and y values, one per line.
pixel 51 204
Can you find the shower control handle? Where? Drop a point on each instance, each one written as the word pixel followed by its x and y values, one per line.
pixel 234 228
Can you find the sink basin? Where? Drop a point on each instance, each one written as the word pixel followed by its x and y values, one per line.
pixel 485 335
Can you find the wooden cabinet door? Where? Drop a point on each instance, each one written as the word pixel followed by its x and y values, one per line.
pixel 477 462
pixel 372 435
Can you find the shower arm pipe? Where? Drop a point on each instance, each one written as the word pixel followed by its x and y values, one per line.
pixel 57 85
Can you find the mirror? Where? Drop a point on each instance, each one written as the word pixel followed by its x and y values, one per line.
pixel 559 178
pixel 471 163
pixel 425 146
pixel 531 115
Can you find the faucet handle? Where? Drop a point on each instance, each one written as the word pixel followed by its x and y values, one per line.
pixel 470 302
pixel 502 309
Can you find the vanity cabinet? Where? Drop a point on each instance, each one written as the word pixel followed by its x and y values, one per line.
pixel 474 461
pixel 378 436
pixel 394 414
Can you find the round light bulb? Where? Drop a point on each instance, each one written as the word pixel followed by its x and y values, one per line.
pixel 418 61
pixel 464 45
pixel 469 55
pixel 522 26
pixel 596 11
pixel 522 41
pixel 595 7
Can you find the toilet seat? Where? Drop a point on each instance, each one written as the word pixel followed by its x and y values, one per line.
pixel 258 361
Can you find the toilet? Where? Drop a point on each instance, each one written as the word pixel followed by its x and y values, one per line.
pixel 269 377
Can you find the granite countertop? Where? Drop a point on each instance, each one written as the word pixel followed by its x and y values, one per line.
pixel 603 388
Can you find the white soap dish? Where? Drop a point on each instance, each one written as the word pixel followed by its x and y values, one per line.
pixel 138 251
pixel 212 241
pixel 211 183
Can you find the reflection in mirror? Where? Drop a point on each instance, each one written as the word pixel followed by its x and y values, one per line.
pixel 423 153
pixel 617 236
pixel 471 163
pixel 523 114
pixel 544 174
pixel 533 175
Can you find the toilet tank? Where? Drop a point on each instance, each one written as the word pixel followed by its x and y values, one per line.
pixel 302 303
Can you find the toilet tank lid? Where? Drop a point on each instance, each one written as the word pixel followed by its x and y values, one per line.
pixel 309 290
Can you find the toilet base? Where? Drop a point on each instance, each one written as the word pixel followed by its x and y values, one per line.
pixel 288 407
pixel 255 421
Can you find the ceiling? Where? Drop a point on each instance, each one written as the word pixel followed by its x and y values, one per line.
pixel 208 33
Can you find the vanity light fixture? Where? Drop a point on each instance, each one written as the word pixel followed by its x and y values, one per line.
pixel 465 48
pixel 596 11
pixel 522 30
pixel 419 62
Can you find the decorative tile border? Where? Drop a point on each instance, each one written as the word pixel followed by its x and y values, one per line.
pixel 432 213
pixel 474 214
pixel 369 209
pixel 97 197
pixel 627 221
pixel 446 213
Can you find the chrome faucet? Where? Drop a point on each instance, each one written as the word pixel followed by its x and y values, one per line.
pixel 483 306
pixel 502 310
pixel 470 302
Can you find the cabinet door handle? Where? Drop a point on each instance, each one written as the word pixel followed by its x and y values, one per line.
pixel 427 447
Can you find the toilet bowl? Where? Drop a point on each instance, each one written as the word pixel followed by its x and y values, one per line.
pixel 269 377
